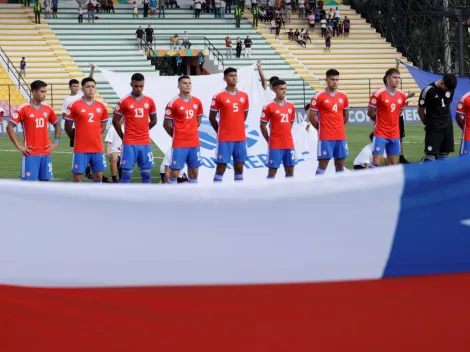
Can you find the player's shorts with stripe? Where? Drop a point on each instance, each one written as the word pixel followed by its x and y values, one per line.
pixel 226 150
pixel 277 156
pixel 389 145
pixel 140 154
pixel 464 148
pixel 37 167
pixel 181 156
pixel 80 161
pixel 329 149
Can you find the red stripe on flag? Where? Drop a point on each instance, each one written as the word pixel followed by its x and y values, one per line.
pixel 403 314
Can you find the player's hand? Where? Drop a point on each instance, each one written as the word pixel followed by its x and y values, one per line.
pixel 307 128
pixel 91 65
pixel 25 149
pixel 411 95
pixel 51 147
pixel 258 63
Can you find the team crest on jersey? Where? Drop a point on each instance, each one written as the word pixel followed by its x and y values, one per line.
pixel 195 106
pixel 146 105
pixel 341 100
pixel 213 102
pixel 263 114
pixel 15 115
pixel 421 102
pixel 314 102
pixel 117 107
pixel 168 112
pixel 399 101
pixel 460 106
pixel 289 111
pixel 447 94
pixel 242 100
pixel 374 101
pixel 45 114
pixel 98 110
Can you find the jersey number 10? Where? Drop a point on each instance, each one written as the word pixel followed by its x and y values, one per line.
pixel 39 122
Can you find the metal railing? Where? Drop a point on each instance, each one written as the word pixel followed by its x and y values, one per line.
pixel 163 42
pixel 22 85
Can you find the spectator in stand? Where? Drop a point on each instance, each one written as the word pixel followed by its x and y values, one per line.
pixel 317 17
pixel 299 39
pixel 328 40
pixel 238 48
pixel 91 12
pixel 200 60
pixel 347 26
pixel 329 23
pixel 161 9
pixel 288 10
pixel 228 6
pixel 278 29
pixel 146 7
pixel 179 64
pixel 111 6
pixel 340 29
pixel 175 41
pixel 320 4
pixel 330 13
pixel 149 36
pixel 104 6
pixel 80 14
pixel 273 25
pixel 307 37
pixel 335 26
pixel 255 13
pixel 311 20
pixel 248 43
pixel 323 23
pixel 197 8
pixel 218 6
pixel 186 43
pixel 135 12
pixel 153 8
pixel 222 9
pixel 262 15
pixel 139 34
pixel 47 6
pixel 228 47
pixel 290 35
pixel 37 12
pixel 23 67
pixel 55 5
pixel 337 15
pixel 301 8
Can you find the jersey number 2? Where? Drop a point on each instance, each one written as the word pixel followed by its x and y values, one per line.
pixel 90 119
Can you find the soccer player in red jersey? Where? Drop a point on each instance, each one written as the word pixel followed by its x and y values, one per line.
pixel 385 108
pixel 140 115
pixel 328 114
pixel 463 119
pixel 90 117
pixel 36 163
pixel 183 115
pixel 280 114
pixel 232 107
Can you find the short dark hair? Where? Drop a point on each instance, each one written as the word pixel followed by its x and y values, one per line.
pixel 183 77
pixel 385 80
pixel 450 81
pixel 229 70
pixel 307 107
pixel 73 81
pixel 138 77
pixel 86 80
pixel 332 72
pixel 273 79
pixel 278 83
pixel 390 72
pixel 36 85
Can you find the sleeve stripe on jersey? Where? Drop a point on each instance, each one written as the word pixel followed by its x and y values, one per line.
pixel 168 118
pixel 200 115
pixel 460 113
pixel 68 119
pixel 312 109
pixel 13 123
pixel 215 110
pixel 425 91
pixel 104 120
pixel 373 107
pixel 117 113
pixel 247 110
pixel 54 123
pixel 153 113
pixel 263 120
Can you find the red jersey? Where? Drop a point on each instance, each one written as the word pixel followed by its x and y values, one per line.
pixel 463 108
pixel 388 108
pixel 35 128
pixel 136 118
pixel 280 118
pixel 231 109
pixel 330 109
pixel 88 120
pixel 184 115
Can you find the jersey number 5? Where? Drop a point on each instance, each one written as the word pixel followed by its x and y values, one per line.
pixel 235 107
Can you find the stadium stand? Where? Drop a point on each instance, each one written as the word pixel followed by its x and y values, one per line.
pixel 46 57
pixel 111 43
pixel 10 96
pixel 361 59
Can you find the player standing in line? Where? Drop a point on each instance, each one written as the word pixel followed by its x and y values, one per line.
pixel 328 114
pixel 183 115
pixel 140 115
pixel 434 112
pixel 232 106
pixel 463 120
pixel 385 108
pixel 90 117
pixel 280 114
pixel 36 163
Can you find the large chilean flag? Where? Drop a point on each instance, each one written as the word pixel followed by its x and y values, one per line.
pixel 370 261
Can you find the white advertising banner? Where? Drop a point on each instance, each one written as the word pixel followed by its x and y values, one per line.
pixel 163 88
